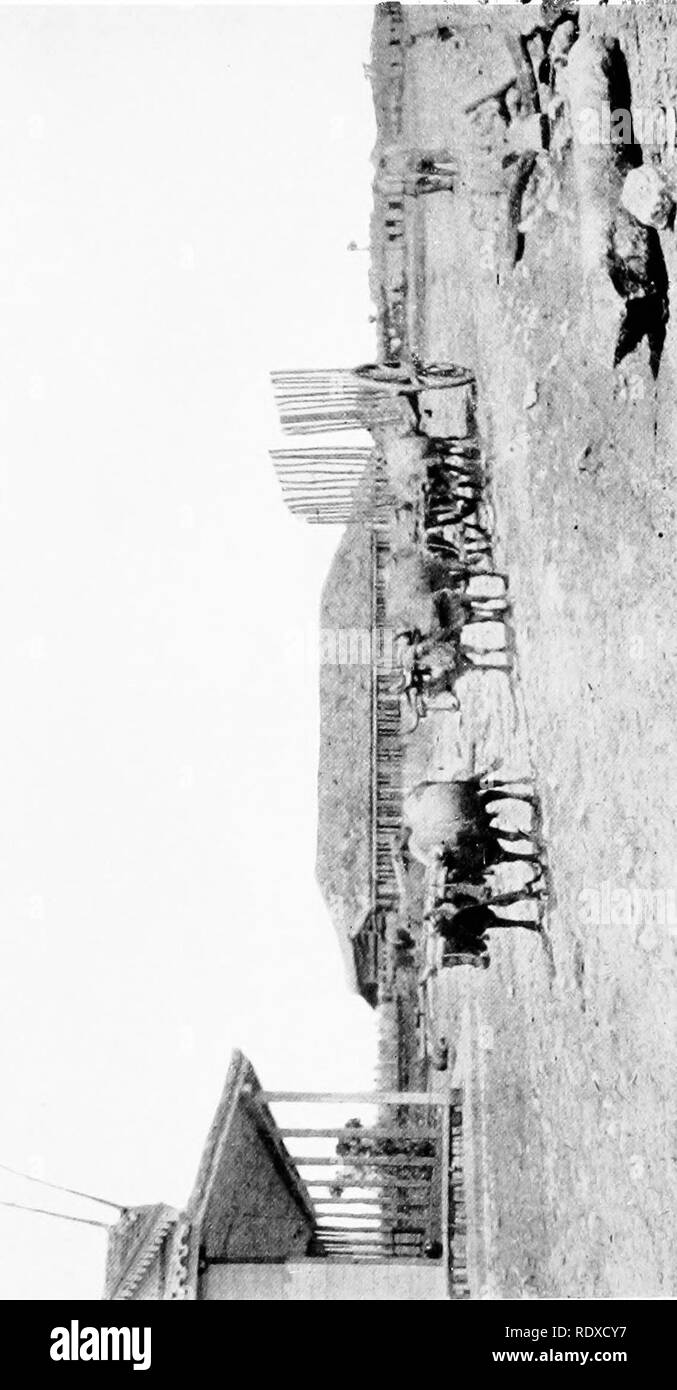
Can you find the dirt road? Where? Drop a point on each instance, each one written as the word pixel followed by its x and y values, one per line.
pixel 578 1061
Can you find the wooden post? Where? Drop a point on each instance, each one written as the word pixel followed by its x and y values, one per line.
pixel 445 1163
pixel 375 1098
pixel 352 1162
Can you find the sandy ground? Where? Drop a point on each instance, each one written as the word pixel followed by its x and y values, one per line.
pixel 578 1063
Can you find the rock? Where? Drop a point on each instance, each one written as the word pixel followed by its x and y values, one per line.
pixel 638 273
pixel 646 195
pixel 530 396
pixel 637 1167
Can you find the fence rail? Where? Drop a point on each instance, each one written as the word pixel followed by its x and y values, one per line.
pixel 386 746
pixel 392 1189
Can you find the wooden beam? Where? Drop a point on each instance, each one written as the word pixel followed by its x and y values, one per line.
pixel 378 1132
pixel 395 1212
pixel 373 1184
pixel 357 1246
pixel 393 1260
pixel 364 1233
pixel 347 1202
pixel 446 1176
pixel 351 1161
pixel 401 1224
pixel 431 1098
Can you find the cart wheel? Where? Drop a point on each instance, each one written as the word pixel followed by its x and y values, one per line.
pixel 440 374
pixel 384 374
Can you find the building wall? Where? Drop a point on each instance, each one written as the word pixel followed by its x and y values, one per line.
pixel 315 1280
pixel 251 1212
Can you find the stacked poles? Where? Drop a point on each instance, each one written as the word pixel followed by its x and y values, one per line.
pixel 324 485
pixel 321 484
pixel 313 401
pixel 316 401
pixel 329 485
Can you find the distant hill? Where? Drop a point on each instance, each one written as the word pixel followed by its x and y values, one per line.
pixel 343 849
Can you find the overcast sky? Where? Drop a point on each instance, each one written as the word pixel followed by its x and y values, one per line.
pixel 179 188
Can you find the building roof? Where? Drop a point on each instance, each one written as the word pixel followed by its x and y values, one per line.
pixel 248 1200
pixel 134 1242
pixel 220 1157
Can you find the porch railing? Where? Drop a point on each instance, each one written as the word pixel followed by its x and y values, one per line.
pixel 384 1184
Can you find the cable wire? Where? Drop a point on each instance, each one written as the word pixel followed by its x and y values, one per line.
pixel 60 1215
pixel 57 1187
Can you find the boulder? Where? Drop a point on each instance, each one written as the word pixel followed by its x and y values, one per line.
pixel 647 197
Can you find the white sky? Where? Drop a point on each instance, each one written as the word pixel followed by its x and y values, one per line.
pixel 179 186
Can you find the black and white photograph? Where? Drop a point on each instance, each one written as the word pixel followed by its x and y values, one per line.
pixel 338 836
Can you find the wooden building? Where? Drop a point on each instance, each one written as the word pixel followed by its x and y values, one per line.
pixel 296 1198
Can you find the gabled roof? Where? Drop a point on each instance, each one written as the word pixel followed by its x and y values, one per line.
pixel 232 1189
pixel 248 1200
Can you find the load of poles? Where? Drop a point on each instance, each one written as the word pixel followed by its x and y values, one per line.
pixel 330 485
pixel 317 401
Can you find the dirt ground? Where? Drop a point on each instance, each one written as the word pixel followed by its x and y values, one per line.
pixel 578 1060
